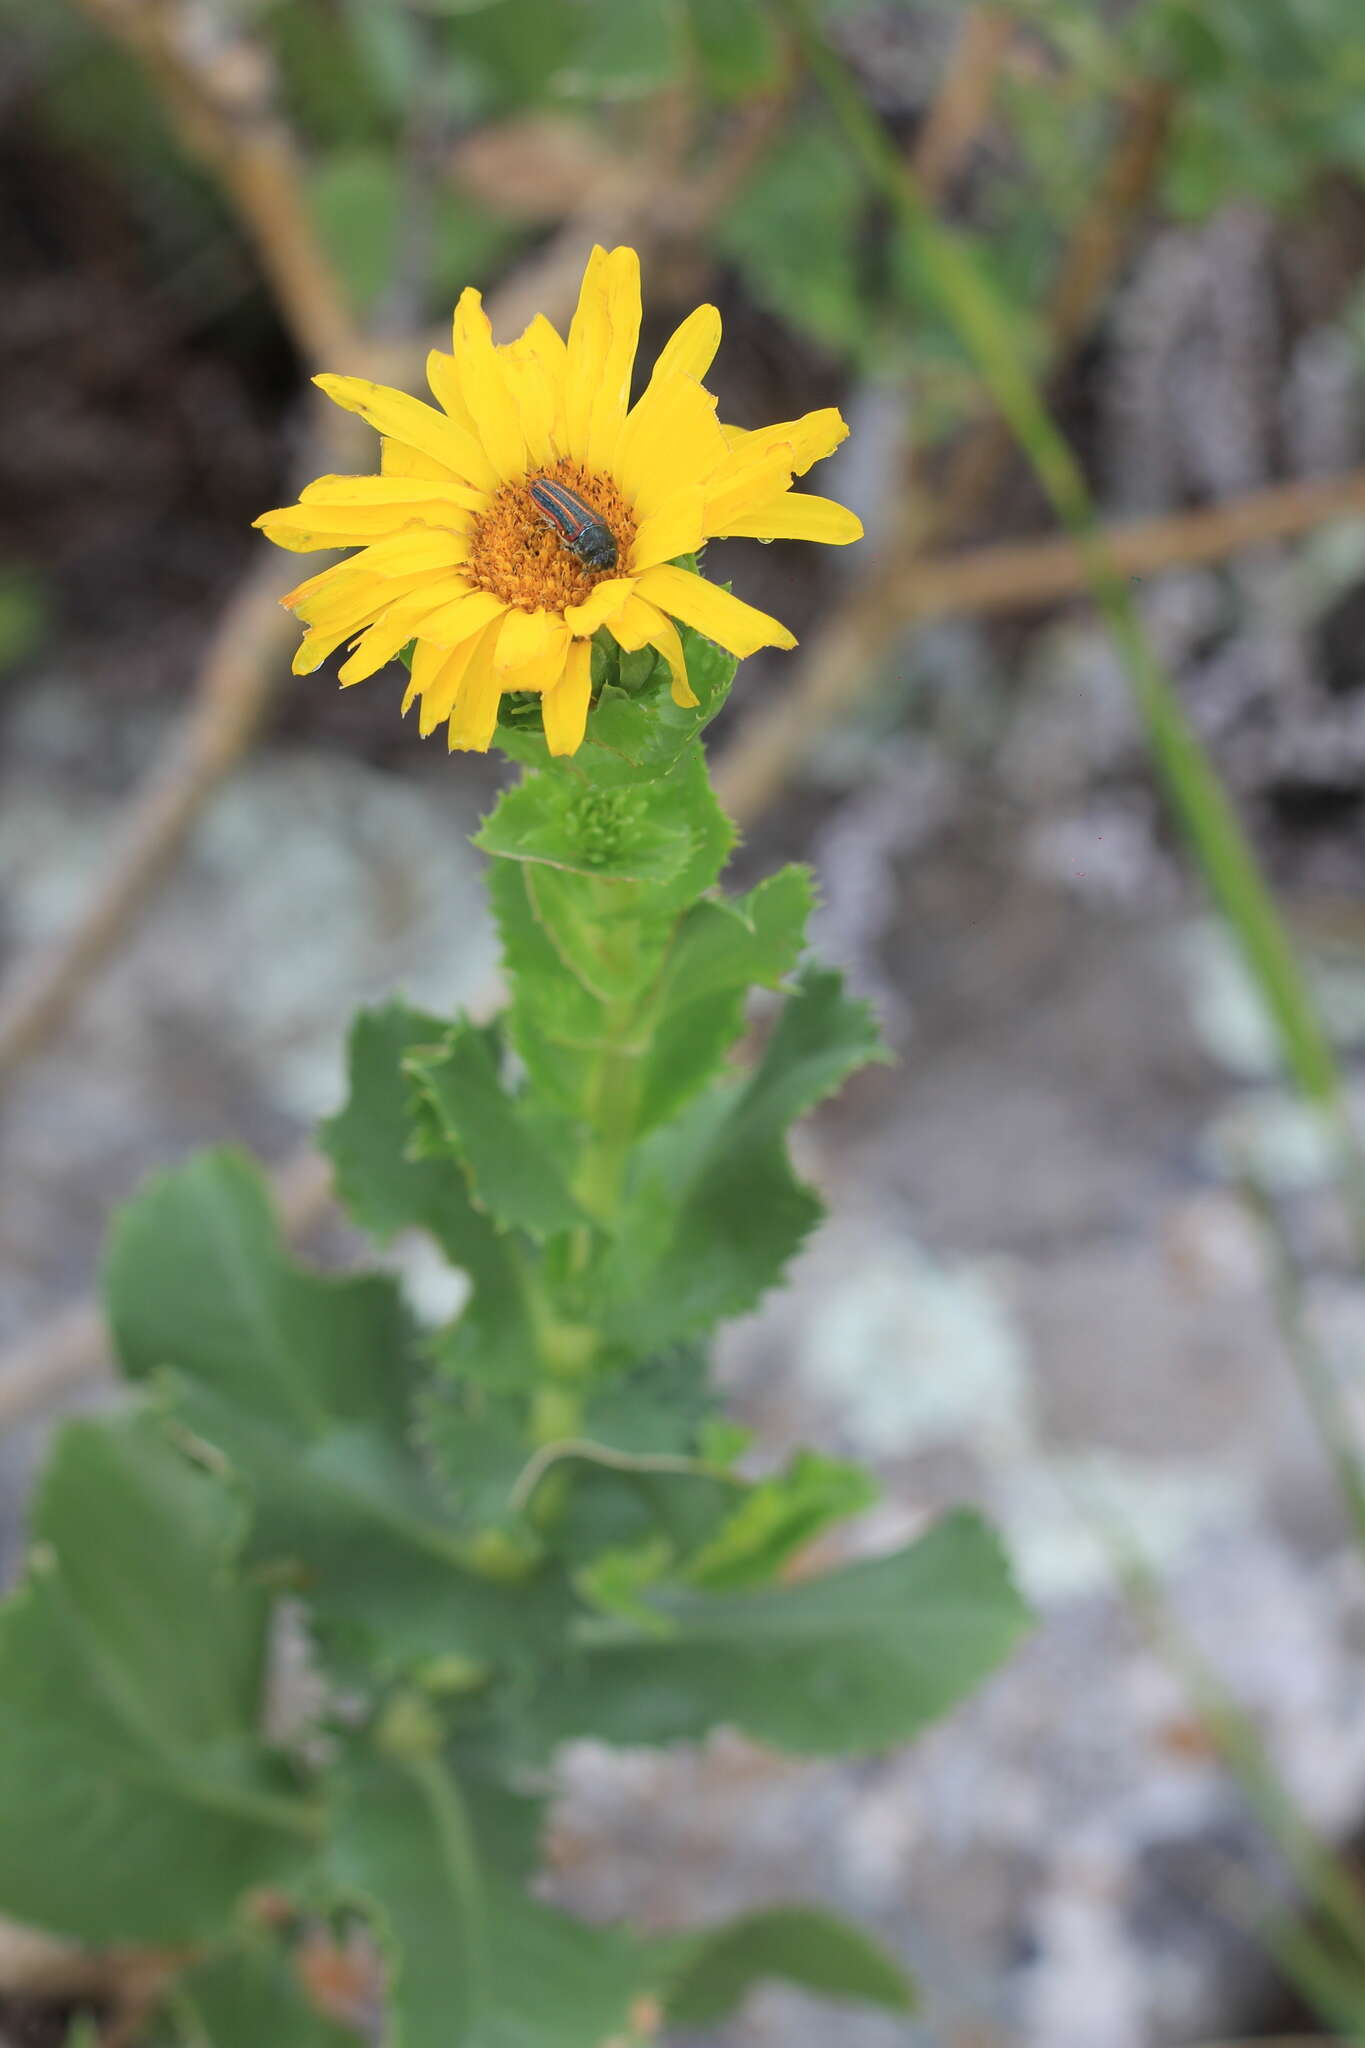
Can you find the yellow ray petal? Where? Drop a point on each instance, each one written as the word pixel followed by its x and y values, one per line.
pixel 358 598
pixel 564 709
pixel 306 529
pixel 474 715
pixel 612 396
pixel 440 695
pixel 534 367
pixel 727 620
pixel 634 623
pixel 398 624
pixel 601 355
pixel 677 528
pixel 420 426
pixel 461 617
pixel 798 515
pixel 691 348
pixel 544 672
pixel 527 637
pixel 668 640
pixel 672 438
pixel 529 389
pixel 744 482
pixel 321 641
pixel 426 661
pixel 393 490
pixel 585 352
pixel 644 625
pixel 426 664
pixel 329 583
pixel 421 547
pixel 483 383
pixel 444 379
pixel 397 459
pixel 600 606
pixel 545 338
pixel 814 436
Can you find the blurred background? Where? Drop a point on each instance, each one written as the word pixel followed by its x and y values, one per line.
pixel 1042 1285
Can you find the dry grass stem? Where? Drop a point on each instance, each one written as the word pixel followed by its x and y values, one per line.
pixel 963 102
pixel 218 85
pixel 841 658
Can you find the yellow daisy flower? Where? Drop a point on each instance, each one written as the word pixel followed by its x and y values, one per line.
pixel 537 505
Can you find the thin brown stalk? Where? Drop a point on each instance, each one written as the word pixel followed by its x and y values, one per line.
pixel 1086 272
pixel 963 102
pixel 841 661
pixel 217 83
pixel 250 640
pixel 1016 576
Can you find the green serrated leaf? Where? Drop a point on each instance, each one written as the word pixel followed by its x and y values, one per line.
pixel 610 937
pixel 713 1209
pixel 629 48
pixel 603 932
pixel 512 50
pixel 478 1443
pixel 638 834
pixel 615 1580
pixel 555 1021
pixel 138 1804
pixel 800 1945
pixel 355 195
pixel 667 831
pixel 625 1505
pixel 720 952
pixel 472 1961
pixel 403 1850
pixel 794 233
pixel 515 1176
pixel 389 1185
pixel 841 1665
pixel 249 1996
pixel 304 1383
pixel 737 44
pixel 777 1518
pixel 664 1404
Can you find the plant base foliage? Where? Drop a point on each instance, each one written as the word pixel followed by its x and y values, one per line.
pixel 525 1526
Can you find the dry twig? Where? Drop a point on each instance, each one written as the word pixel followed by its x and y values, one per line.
pixel 230 699
pixel 1013 576
pixel 219 86
pixel 962 104
pixel 841 660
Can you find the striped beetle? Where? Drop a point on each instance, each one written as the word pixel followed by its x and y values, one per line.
pixel 577 525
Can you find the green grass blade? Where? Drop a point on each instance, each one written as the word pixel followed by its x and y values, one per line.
pixel 1196 793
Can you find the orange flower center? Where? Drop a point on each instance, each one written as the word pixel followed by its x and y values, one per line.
pixel 517 554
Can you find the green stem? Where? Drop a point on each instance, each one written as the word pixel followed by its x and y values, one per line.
pixel 1200 802
pixel 1323 1877
pixel 611 1101
pixel 1317 1382
pixel 460 1857
pixel 265 1809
